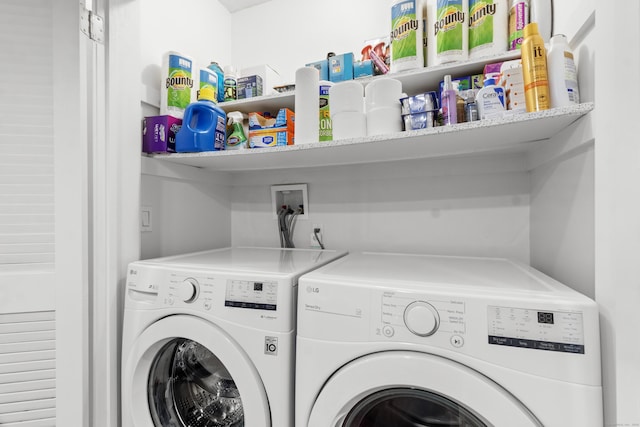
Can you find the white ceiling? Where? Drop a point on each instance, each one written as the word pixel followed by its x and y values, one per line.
pixel 236 5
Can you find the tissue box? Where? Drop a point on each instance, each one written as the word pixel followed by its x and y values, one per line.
pixel 249 87
pixel 262 121
pixel 322 67
pixel 268 131
pixel 269 76
pixel 270 137
pixel 159 134
pixel 341 67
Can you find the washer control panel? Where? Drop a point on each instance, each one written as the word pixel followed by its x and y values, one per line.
pixel 550 330
pixel 422 317
pixel 262 295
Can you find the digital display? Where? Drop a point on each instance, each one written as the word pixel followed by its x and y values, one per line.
pixel 257 286
pixel 546 318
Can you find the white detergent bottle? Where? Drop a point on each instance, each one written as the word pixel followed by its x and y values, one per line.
pixel 490 100
pixel 563 74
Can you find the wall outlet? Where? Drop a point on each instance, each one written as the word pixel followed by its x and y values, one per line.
pixel 314 243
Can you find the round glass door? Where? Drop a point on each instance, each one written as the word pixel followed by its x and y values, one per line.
pixel 406 407
pixel 183 371
pixel 189 386
pixel 413 389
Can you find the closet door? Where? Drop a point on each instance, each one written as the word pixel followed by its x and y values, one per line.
pixel 43 214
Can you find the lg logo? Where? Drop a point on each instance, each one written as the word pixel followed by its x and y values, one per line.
pixel 312 290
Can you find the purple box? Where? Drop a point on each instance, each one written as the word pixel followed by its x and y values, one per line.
pixel 159 134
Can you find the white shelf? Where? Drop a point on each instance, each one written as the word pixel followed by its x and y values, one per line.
pixel 413 82
pixel 516 132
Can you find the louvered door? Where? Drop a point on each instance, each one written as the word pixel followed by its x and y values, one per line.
pixel 41 198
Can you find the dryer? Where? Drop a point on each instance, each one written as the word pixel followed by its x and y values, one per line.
pixel 209 337
pixel 417 340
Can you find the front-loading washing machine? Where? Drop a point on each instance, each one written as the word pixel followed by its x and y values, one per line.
pixel 209 337
pixel 417 340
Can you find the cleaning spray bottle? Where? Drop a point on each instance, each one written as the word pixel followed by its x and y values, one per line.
pixel 236 137
pixel 534 70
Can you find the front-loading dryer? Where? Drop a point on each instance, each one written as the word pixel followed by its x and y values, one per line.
pixel 417 340
pixel 209 337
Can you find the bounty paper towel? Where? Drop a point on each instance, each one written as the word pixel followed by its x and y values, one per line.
pixel 177 84
pixel 407 34
pixel 447 31
pixel 488 27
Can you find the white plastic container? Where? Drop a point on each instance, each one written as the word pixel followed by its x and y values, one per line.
pixel 490 100
pixel 408 20
pixel 563 73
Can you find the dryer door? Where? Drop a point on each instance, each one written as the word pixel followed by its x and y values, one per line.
pixel 185 372
pixel 411 389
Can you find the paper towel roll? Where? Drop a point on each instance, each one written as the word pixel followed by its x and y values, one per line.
pixel 347 96
pixel 177 89
pixel 384 92
pixel 488 27
pixel 407 34
pixel 384 120
pixel 447 31
pixel 349 124
pixel 306 105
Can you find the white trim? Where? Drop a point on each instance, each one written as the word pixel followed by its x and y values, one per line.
pixel 71 193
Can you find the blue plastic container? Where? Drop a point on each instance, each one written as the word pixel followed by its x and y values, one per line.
pixel 203 126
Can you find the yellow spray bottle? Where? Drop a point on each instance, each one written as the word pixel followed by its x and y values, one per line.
pixel 534 70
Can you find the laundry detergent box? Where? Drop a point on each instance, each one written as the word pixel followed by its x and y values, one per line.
pixel 341 67
pixel 322 66
pixel 249 87
pixel 159 133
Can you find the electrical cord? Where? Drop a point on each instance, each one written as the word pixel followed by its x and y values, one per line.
pixel 315 233
pixel 286 224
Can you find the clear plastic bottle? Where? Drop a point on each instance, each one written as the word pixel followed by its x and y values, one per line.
pixel 449 102
pixel 563 73
pixel 230 83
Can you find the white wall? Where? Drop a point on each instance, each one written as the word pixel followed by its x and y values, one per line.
pixel 197 28
pixel 469 206
pixel 287 34
pixel 191 209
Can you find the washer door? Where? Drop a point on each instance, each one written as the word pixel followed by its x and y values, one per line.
pixel 411 389
pixel 185 372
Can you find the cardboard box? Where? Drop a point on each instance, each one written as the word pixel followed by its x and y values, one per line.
pixel 322 67
pixel 249 87
pixel 341 67
pixel 159 134
pixel 268 131
pixel 270 138
pixel 363 69
pixel 261 121
pixel 270 77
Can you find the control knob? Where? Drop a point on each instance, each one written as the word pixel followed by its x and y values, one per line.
pixel 421 318
pixel 188 290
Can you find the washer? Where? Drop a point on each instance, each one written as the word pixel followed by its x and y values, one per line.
pixel 417 340
pixel 209 337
